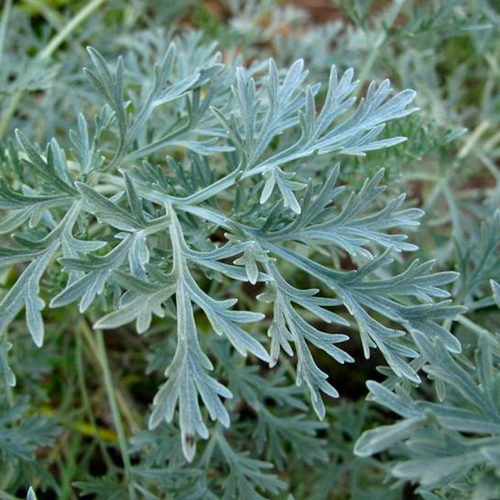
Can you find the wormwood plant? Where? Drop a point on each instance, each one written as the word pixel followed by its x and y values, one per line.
pixel 254 202
pixel 453 438
pixel 231 214
pixel 133 239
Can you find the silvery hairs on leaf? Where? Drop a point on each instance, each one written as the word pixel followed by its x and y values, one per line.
pixel 240 139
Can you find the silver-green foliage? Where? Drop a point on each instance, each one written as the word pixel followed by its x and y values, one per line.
pixel 448 443
pixel 246 134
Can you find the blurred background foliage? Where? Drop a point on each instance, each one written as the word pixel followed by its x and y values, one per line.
pixel 56 433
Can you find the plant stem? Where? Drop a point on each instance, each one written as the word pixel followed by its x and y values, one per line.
pixel 44 54
pixel 7 478
pixel 108 383
pixel 86 401
pixel 122 401
pixel 7 496
pixel 393 13
pixel 9 392
pixel 478 330
pixel 63 34
pixel 3 25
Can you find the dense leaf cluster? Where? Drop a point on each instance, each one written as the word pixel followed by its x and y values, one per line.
pixel 231 209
